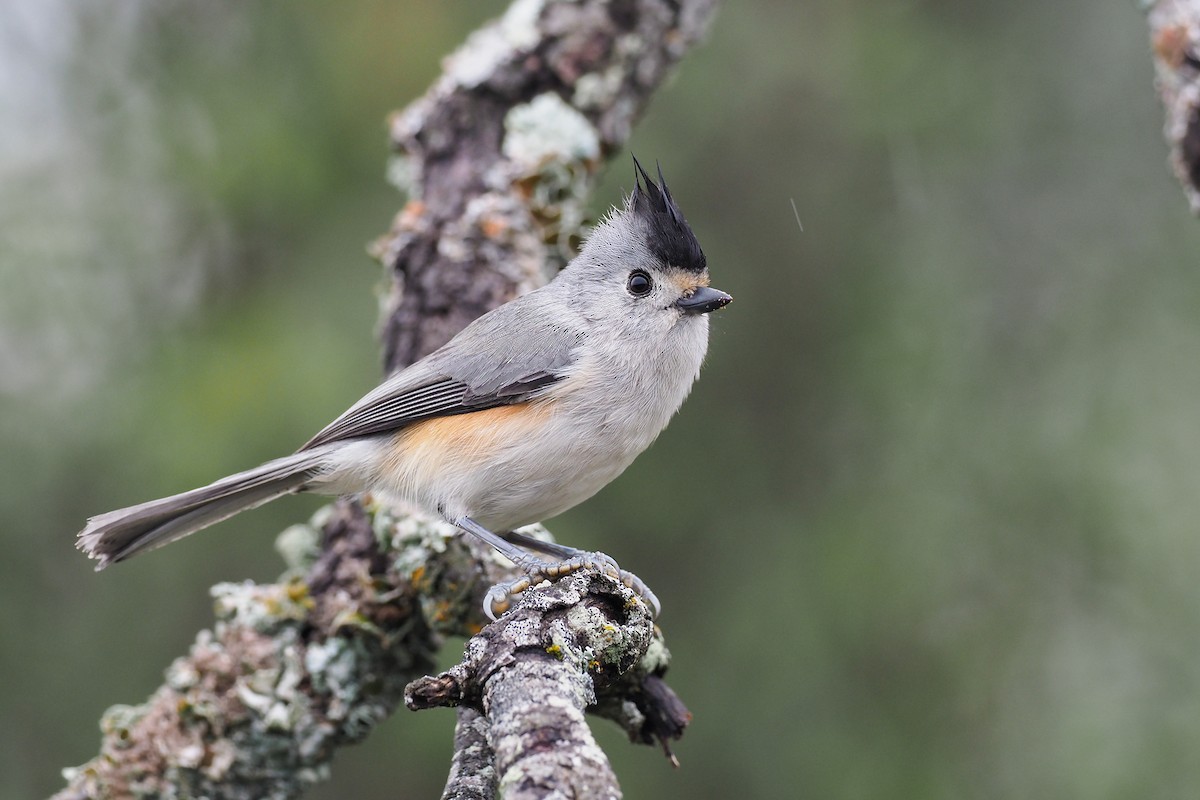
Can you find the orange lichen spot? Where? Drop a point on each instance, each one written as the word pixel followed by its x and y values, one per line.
pixel 421 579
pixel 408 216
pixel 526 186
pixel 1171 45
pixel 493 227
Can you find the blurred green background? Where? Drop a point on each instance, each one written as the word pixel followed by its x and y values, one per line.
pixel 927 527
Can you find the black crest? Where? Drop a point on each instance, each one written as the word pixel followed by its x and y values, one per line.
pixel 669 236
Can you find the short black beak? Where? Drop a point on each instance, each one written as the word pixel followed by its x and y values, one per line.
pixel 703 300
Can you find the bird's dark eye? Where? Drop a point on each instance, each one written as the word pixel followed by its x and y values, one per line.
pixel 639 284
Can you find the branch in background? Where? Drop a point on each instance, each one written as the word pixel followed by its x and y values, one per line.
pixel 499 156
pixel 1175 34
pixel 293 670
pixel 498 159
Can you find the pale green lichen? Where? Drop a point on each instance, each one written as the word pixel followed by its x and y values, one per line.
pixel 657 657
pixel 182 675
pixel 400 175
pixel 547 129
pixel 552 152
pixel 599 89
pixel 117 720
pixel 299 546
pixel 260 607
pixel 490 46
pixel 337 668
pixel 603 643
pixel 413 537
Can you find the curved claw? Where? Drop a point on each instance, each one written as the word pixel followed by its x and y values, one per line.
pixel 499 598
pixel 496 602
pixel 639 587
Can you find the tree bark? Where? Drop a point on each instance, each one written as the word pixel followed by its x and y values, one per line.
pixel 1175 35
pixel 473 768
pixel 534 672
pixel 498 159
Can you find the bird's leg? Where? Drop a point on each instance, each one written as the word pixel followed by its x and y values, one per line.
pixel 570 554
pixel 559 551
pixel 569 560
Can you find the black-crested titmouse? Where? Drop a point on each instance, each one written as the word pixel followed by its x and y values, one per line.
pixel 530 410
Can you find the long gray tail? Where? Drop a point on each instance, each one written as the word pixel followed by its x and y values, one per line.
pixel 117 535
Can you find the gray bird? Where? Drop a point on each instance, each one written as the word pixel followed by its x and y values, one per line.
pixel 530 410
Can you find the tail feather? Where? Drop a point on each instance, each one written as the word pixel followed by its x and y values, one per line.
pixel 117 535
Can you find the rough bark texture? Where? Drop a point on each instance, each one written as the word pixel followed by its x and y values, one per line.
pixel 584 642
pixel 293 670
pixel 1175 34
pixel 497 159
pixel 473 768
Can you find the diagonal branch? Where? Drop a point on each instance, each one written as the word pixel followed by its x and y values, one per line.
pixel 472 770
pixel 498 159
pixel 500 155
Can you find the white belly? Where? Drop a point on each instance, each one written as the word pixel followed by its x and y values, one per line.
pixel 514 465
pixel 509 466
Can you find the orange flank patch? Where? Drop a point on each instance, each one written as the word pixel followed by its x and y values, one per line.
pixel 477 435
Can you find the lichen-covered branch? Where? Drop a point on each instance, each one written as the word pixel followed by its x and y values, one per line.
pixel 1175 34
pixel 497 159
pixel 535 671
pixel 293 670
pixel 473 767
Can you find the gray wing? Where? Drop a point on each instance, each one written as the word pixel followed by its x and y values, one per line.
pixel 486 365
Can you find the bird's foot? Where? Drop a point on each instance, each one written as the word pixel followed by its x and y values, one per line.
pixel 500 597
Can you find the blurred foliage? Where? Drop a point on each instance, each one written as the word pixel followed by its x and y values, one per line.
pixel 927 526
